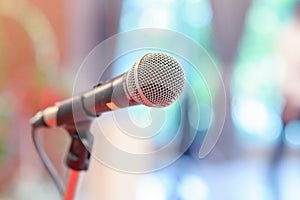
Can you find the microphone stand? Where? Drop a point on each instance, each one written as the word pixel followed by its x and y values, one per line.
pixel 78 157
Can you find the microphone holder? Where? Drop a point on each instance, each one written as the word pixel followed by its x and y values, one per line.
pixel 78 157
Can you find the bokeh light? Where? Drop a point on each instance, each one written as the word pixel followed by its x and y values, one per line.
pixel 256 121
pixel 292 134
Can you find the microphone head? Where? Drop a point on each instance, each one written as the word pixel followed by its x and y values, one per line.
pixel 156 80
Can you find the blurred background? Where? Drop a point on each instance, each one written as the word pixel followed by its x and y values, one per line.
pixel 256 46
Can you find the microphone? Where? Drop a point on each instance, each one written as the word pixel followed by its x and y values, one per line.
pixel 155 80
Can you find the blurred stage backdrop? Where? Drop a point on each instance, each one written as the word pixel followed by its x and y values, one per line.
pixel 255 44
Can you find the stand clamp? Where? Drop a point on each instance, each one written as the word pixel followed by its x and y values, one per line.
pixel 78 157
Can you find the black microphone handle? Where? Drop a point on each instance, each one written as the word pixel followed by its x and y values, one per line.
pixel 108 96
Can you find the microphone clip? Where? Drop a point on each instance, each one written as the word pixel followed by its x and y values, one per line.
pixel 78 157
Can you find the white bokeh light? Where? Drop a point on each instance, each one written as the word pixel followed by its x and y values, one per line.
pixel 192 187
pixel 254 118
pixel 150 187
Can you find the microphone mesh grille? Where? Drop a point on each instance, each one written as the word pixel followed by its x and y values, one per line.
pixel 157 80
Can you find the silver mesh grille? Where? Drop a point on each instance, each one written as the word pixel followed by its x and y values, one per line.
pixel 156 80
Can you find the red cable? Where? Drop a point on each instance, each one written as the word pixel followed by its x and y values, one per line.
pixel 71 189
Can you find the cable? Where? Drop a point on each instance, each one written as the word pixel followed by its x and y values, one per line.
pixel 46 161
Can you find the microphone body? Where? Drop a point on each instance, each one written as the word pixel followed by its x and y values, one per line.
pixel 108 96
pixel 156 80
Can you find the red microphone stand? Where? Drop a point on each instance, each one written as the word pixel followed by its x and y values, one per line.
pixel 71 188
pixel 78 157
